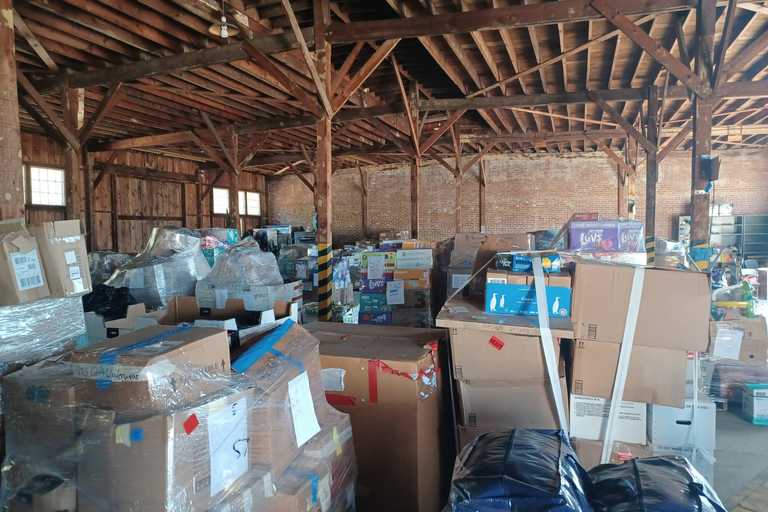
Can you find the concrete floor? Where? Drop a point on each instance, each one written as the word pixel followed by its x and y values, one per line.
pixel 742 458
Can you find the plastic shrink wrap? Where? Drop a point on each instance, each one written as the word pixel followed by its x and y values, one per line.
pixel 519 470
pixel 157 420
pixel 170 265
pixel 245 272
pixel 655 484
pixel 103 264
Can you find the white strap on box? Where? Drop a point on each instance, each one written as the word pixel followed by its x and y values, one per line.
pixel 548 344
pixel 622 367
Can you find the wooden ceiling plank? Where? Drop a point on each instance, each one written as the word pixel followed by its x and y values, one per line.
pixel 647 43
pixel 109 100
pixel 53 117
pixel 362 74
pixel 740 61
pixel 40 120
pixel 725 42
pixel 24 31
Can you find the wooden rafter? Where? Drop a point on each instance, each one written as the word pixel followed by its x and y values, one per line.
pixel 407 104
pixel 24 31
pixel 343 71
pixel 354 83
pixel 624 168
pixel 476 158
pixel 212 154
pixel 227 152
pixel 675 141
pixel 109 100
pixel 616 116
pixel 744 57
pixel 440 131
pixel 52 116
pixel 647 43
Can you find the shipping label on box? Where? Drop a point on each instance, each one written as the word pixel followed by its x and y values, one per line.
pixel 376 264
pixel 589 418
pixel 520 299
pixel 414 259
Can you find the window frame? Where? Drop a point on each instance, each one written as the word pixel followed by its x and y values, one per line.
pixel 27 168
pixel 213 201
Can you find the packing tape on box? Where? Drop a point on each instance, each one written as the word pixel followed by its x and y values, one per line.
pixel 622 367
pixel 267 346
pixel 547 343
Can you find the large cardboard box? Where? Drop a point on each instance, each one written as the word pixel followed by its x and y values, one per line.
pixel 656 375
pixel 513 298
pixel 182 460
pixel 754 403
pixel 152 368
pixel 589 418
pixel 487 355
pixel 62 247
pixel 678 428
pixel 387 381
pixel 522 404
pixel 674 309
pixel 745 339
pixel 590 452
pixel 22 278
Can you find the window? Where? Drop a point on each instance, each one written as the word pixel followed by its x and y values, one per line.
pixel 250 203
pixel 220 200
pixel 46 185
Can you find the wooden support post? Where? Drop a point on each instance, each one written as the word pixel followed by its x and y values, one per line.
pixel 622 208
pixel 483 206
pixel 234 205
pixel 702 123
pixel 363 202
pixel 183 199
pixel 459 177
pixel 199 207
pixel 11 169
pixel 87 163
pixel 323 165
pixel 74 116
pixel 651 174
pixel 415 172
pixel 113 212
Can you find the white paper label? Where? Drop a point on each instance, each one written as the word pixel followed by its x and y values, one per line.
pixel 324 493
pixel 269 488
pixel 376 266
pixel 458 280
pixel 728 343
pixel 228 444
pixel 70 258
pixel 333 379
pixel 78 286
pixel 74 272
pixel 302 409
pixel 395 292
pixel 222 294
pixel 26 267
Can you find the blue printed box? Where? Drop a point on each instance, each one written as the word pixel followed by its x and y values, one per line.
pixel 374 302
pixel 375 285
pixel 520 299
pixel 373 318
pixel 524 262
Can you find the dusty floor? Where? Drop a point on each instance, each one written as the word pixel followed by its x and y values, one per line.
pixel 741 470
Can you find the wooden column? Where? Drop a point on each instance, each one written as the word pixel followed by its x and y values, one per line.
pixel 183 199
pixel 87 166
pixel 74 177
pixel 11 169
pixel 622 207
pixel 113 212
pixel 702 124
pixel 323 166
pixel 363 202
pixel 199 207
pixel 651 174
pixel 415 197
pixel 234 205
pixel 459 179
pixel 481 179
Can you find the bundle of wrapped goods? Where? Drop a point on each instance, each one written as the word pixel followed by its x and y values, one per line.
pixel 387 379
pixel 299 262
pixel 247 273
pixel 156 420
pixel 214 241
pixel 103 264
pixel 396 288
pixel 170 266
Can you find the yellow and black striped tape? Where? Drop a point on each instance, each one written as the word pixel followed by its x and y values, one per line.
pixel 324 281
pixel 650 248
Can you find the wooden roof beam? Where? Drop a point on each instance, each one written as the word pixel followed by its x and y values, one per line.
pixel 616 116
pixel 611 10
pixel 52 116
pixel 548 13
pixel 24 31
pixel 440 131
pixel 542 137
pixel 107 102
pixel 381 53
pixel 624 168
pixel 407 104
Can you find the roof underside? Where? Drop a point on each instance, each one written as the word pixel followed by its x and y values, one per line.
pixel 86 35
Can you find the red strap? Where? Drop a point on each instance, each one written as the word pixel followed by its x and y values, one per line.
pixel 339 400
pixel 373 380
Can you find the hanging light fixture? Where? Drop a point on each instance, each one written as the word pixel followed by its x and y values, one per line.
pixel 223 28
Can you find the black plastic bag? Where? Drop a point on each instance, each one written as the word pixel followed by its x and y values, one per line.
pixel 111 303
pixel 520 470
pixel 654 484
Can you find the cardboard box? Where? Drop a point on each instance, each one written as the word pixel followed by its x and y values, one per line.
pixel 414 279
pixel 590 452
pixel 152 368
pixel 744 339
pixel 678 428
pixel 375 285
pixel 302 489
pixel 523 404
pixel 256 298
pixel 752 328
pixel 486 355
pixel 375 317
pixel 249 493
pixel 22 277
pixel 62 247
pixel 374 264
pixel 396 420
pixel 51 495
pixel 182 460
pixel 754 403
pixel 656 375
pixel 589 417
pixel 414 259
pixel 520 299
pixel 606 235
pixel 374 302
pixel 674 309
pixel 524 262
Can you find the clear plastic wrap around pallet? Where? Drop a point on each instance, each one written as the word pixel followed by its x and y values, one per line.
pixel 158 420
pixel 170 265
pixel 104 263
pixel 36 330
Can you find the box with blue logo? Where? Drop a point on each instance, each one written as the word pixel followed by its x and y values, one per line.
pixel 507 293
pixel 524 262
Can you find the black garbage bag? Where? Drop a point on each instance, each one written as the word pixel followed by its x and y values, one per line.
pixel 519 470
pixel 653 484
pixel 109 302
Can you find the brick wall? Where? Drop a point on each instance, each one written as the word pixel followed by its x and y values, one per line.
pixel 523 193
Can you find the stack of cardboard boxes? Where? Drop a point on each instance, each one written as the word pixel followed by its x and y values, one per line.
pixel 499 366
pixel 396 287
pixel 157 420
